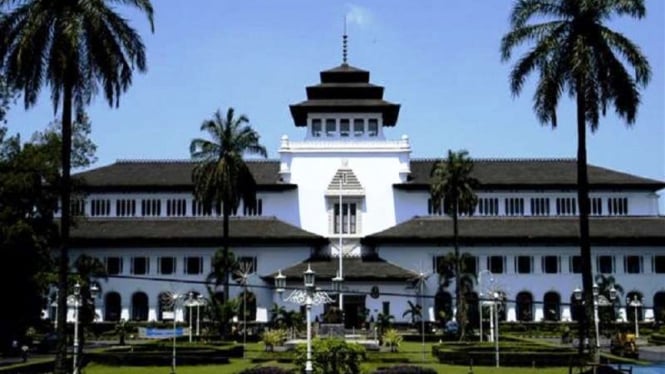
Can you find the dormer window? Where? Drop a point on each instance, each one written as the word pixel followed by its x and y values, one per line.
pixel 358 127
pixel 373 127
pixel 331 127
pixel 344 128
pixel 316 127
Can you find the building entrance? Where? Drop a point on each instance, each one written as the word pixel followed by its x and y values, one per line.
pixel 355 313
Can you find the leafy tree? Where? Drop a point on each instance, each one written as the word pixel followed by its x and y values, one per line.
pixel 27 203
pixel 6 97
pixel 607 313
pixel 383 322
pixel 575 52
pixel 453 186
pixel 221 177
pixel 83 148
pixel 74 48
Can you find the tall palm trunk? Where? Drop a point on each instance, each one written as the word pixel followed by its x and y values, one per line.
pixel 583 203
pixel 63 265
pixel 225 251
pixel 459 304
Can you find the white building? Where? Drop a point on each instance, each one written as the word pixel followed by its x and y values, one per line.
pixel 141 219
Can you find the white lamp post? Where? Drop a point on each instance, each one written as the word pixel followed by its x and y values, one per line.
pixel 496 296
pixel 189 305
pixel 635 303
pixel 77 305
pixel 308 297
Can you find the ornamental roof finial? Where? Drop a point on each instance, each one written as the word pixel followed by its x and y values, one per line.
pixel 344 44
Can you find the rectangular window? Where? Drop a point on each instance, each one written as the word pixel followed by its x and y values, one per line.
pixel 140 265
pixel 77 207
pixel 566 206
pixel 349 218
pixel 617 206
pixel 488 206
pixel 125 207
pixel 166 265
pixel 331 127
pixel 470 265
pixel 316 127
pixel 176 207
pixel 632 264
pixel 247 264
pixel 576 264
pixel 514 206
pixel 193 265
pixel 151 207
pixel 435 207
pixel 523 264
pixel 373 127
pixel 358 127
pixel 495 264
pixel 540 206
pixel 100 207
pixel 344 128
pixel 385 308
pixel 113 265
pixel 659 264
pixel 253 210
pixel 605 264
pixel 550 264
pixel 596 206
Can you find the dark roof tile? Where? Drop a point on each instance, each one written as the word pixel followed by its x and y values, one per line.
pixel 354 269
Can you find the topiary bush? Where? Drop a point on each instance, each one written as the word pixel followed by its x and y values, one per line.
pixel 404 369
pixel 332 356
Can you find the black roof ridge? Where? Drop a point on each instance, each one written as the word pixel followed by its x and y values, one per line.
pixel 181 161
pixel 534 218
pixel 500 159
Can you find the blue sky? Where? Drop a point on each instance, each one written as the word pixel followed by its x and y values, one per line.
pixel 438 59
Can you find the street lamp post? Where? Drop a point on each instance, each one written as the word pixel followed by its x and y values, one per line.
pixel 77 306
pixel 310 296
pixel 495 299
pixel 635 303
pixel 200 300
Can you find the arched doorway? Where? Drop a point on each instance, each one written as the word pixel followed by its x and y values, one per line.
pixel 139 306
pixel 552 306
pixel 189 304
pixel 659 306
pixel 112 306
pixel 524 306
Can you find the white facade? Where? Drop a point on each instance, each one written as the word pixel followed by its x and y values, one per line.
pixel 389 189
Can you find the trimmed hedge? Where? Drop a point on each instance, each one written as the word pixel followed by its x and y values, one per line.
pixel 404 369
pixel 657 339
pixel 159 356
pixel 510 354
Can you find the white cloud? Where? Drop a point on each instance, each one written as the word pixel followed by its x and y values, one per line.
pixel 357 15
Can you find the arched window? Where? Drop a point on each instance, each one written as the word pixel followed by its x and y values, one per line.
pixel 524 306
pixel 552 306
pixel 443 306
pixel 631 309
pixel 140 306
pixel 112 306
pixel 659 306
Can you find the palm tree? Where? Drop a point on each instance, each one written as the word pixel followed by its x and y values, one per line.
pixel 221 177
pixel 575 52
pixel 414 311
pixel 453 186
pixel 74 47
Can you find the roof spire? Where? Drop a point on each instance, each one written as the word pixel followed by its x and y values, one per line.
pixel 344 44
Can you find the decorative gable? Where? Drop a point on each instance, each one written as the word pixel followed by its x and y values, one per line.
pixel 345 183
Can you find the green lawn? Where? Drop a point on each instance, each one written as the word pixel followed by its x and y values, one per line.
pixel 410 351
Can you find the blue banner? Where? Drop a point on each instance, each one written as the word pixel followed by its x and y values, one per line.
pixel 157 333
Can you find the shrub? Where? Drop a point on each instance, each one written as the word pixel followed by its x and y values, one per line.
pixel 332 356
pixel 273 338
pixel 405 369
pixel 266 370
pixel 392 339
